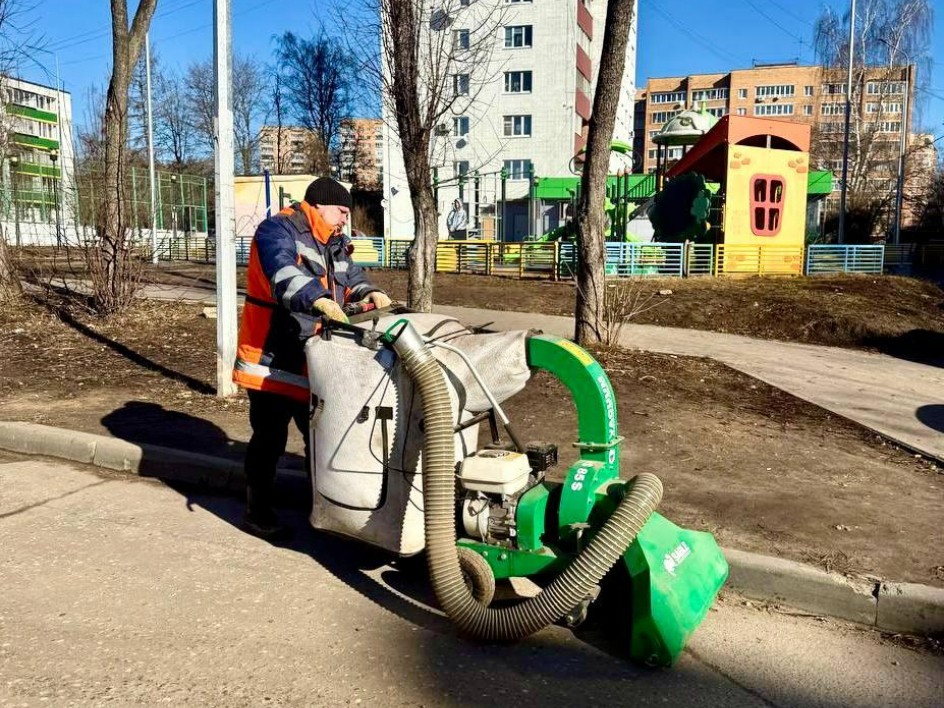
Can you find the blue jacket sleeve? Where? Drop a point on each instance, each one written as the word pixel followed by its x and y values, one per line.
pixel 357 281
pixel 292 287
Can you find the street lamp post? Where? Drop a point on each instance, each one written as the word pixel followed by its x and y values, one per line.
pixel 845 138
pixel 54 157
pixel 14 166
pixel 173 207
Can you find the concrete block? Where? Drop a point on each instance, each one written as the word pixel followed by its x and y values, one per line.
pixel 801 586
pixel 911 608
pixel 119 455
pixel 170 464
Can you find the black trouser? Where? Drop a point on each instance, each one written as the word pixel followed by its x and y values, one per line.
pixel 269 417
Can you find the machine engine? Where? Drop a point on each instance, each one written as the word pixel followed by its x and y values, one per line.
pixel 492 482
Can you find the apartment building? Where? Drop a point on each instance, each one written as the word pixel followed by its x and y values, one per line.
pixel 810 94
pixel 286 149
pixel 40 165
pixel 361 157
pixel 525 110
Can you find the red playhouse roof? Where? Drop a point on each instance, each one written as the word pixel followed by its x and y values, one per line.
pixel 708 155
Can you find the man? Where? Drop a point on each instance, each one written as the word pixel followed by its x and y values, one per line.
pixel 457 223
pixel 299 271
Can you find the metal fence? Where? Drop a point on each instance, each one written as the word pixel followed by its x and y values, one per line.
pixel 826 259
pixel 559 259
pixel 758 260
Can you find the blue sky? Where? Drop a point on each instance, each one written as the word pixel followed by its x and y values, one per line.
pixel 676 37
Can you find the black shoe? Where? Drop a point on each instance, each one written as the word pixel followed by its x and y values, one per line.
pixel 266 525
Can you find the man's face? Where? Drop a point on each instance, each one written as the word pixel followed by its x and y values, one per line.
pixel 334 215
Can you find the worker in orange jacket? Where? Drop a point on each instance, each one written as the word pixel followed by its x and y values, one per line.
pixel 300 270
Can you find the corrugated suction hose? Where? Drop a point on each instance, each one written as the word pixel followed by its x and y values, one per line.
pixel 569 589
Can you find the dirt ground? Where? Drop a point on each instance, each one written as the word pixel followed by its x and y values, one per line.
pixel 753 465
pixel 899 316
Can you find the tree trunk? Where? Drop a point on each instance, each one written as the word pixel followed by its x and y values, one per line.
pixel 9 279
pixel 422 254
pixel 589 313
pixel 112 267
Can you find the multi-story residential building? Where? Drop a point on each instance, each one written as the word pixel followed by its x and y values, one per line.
pixel 286 149
pixel 525 109
pixel 883 100
pixel 40 157
pixel 361 157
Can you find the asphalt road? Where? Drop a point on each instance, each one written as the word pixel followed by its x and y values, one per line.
pixel 118 589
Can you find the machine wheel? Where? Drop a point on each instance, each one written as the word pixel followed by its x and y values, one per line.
pixel 478 576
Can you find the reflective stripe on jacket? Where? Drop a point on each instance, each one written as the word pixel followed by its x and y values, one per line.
pixel 295 259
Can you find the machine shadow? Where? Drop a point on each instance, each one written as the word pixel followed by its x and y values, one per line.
pixel 401 586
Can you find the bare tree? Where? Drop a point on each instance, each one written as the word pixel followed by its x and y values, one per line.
pixel 15 33
pixel 317 74
pixel 435 58
pixel 249 88
pixel 201 97
pixel 892 38
pixel 279 108
pixel 249 92
pixel 113 262
pixel 173 134
pixel 590 320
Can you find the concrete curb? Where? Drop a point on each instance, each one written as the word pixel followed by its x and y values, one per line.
pixel 894 607
pixel 110 453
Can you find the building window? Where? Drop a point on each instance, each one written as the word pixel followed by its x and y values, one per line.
pixel 460 168
pixel 742 93
pixel 517 126
pixel 653 133
pixel 885 88
pixel 779 90
pixel 834 89
pixel 517 82
pixel 807 90
pixel 668 97
pixel 517 36
pixel 718 112
pixel 889 126
pixel 774 109
pixel 883 107
pixel 517 169
pixel 652 154
pixel 742 111
pixel 460 126
pixel 663 116
pixel 715 94
pixel 766 205
pixel 460 39
pixel 807 110
pixel 460 84
pixel 833 109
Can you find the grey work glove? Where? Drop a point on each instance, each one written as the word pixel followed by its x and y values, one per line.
pixel 330 309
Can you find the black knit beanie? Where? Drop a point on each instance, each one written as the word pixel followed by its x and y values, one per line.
pixel 326 191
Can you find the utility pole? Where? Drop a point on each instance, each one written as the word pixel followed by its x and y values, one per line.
pixel 845 139
pixel 902 149
pixel 150 141
pixel 225 201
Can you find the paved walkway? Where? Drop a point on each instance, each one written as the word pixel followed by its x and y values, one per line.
pixel 121 590
pixel 901 400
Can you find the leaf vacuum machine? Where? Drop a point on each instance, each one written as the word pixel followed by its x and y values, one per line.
pixel 397 402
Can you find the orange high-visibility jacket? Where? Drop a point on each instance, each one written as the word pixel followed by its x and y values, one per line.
pixel 295 259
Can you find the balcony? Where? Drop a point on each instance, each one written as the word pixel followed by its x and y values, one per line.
pixel 584 65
